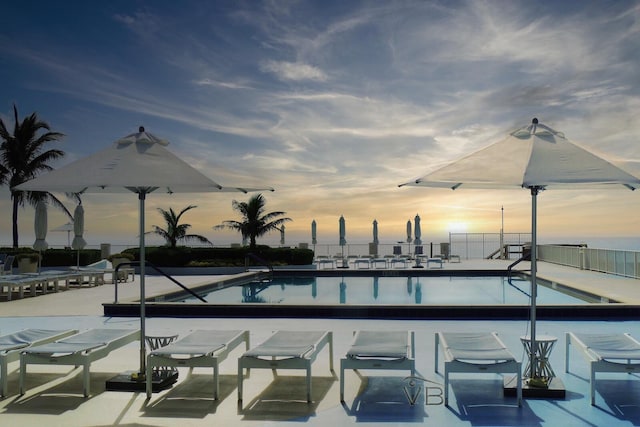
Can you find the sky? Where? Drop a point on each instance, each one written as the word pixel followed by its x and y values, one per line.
pixel 333 104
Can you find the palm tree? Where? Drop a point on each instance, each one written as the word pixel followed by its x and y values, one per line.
pixel 255 222
pixel 176 232
pixel 23 157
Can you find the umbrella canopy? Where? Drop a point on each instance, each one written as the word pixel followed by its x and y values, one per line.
pixel 138 163
pixel 534 157
pixel 343 231
pixel 409 239
pixel 417 230
pixel 375 232
pixel 40 227
pixel 78 228
pixel 314 233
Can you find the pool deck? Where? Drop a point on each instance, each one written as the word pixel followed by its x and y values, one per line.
pixel 54 397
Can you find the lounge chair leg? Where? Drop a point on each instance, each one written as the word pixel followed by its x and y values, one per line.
pixel 86 379
pixel 309 384
pixel 148 377
pixel 240 380
pixel 3 377
pixel 23 373
pixel 592 383
pixel 341 381
pixel 216 382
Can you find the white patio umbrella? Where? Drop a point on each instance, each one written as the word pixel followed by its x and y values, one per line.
pixel 78 230
pixel 409 239
pixel 417 231
pixel 138 163
pixel 68 227
pixel 375 232
pixel 534 157
pixel 282 235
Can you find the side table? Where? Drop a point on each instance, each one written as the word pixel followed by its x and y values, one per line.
pixel 544 346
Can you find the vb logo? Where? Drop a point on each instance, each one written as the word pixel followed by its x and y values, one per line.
pixel 413 386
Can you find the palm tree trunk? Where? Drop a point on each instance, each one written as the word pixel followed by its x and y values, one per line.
pixel 15 221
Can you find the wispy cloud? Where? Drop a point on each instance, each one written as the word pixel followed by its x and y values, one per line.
pixel 293 71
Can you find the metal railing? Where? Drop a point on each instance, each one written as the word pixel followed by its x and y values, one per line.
pixel 611 261
pixel 148 264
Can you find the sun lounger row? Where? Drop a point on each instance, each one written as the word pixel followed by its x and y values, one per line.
pixel 375 262
pixel 463 352
pixel 35 283
pixel 32 284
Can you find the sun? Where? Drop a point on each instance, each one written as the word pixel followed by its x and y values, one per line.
pixel 457 227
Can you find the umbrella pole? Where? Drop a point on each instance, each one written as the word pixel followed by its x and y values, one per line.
pixel 143 355
pixel 533 373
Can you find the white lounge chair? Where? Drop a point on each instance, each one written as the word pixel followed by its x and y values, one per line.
pixel 13 344
pixel 383 350
pixel 287 350
pixel 471 352
pixel 78 350
pixel 605 353
pixel 202 348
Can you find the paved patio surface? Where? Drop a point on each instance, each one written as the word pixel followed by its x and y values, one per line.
pixel 54 394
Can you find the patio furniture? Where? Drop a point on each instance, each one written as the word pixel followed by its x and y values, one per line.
pixel 287 350
pixel 78 350
pixel 475 352
pixel 201 348
pixel 381 350
pixel 605 353
pixel 13 344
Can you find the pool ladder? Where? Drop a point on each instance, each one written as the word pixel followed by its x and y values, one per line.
pixel 510 277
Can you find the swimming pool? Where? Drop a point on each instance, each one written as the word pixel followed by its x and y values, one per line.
pixel 357 294
pixel 433 290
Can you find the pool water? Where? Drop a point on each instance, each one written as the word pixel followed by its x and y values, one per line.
pixel 440 290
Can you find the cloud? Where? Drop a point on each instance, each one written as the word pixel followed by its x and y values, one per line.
pixel 293 71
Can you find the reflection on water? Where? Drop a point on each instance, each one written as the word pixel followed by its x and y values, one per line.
pixel 440 290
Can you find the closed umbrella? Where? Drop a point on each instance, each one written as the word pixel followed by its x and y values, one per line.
pixel 417 231
pixel 409 239
pixel 139 163
pixel 534 157
pixel 40 227
pixel 78 230
pixel 375 232
pixel 282 235
pixel 314 233
pixel 343 241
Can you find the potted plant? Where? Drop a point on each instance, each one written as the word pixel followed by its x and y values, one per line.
pixel 28 262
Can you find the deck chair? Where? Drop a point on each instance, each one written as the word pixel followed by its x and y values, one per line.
pixel 472 352
pixel 78 350
pixel 202 348
pixel 287 350
pixel 13 344
pixel 383 350
pixel 605 353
